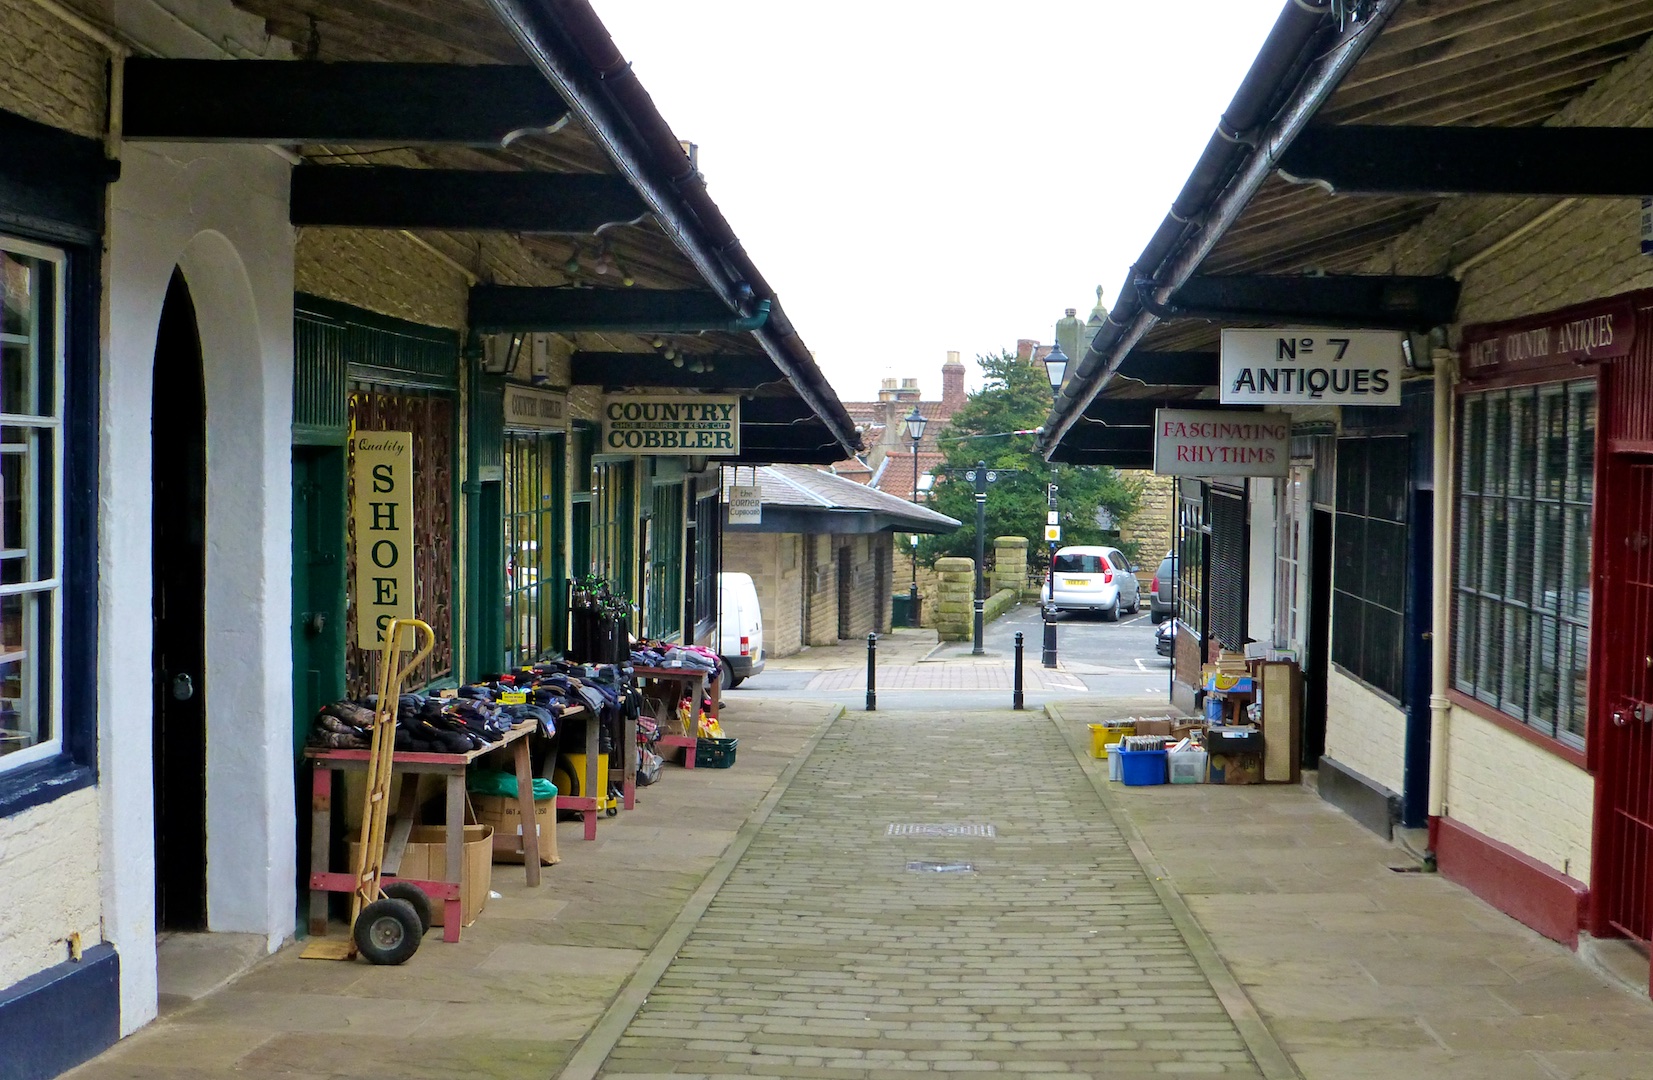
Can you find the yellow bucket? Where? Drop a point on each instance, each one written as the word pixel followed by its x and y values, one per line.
pixel 1101 736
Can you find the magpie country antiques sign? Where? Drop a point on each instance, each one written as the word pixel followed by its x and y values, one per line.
pixel 1311 367
pixel 381 513
pixel 1575 335
pixel 1190 442
pixel 672 425
pixel 538 410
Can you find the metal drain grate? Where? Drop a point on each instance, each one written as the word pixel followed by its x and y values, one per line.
pixel 927 867
pixel 948 830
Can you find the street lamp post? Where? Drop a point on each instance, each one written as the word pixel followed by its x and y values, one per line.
pixel 915 431
pixel 1056 366
pixel 980 477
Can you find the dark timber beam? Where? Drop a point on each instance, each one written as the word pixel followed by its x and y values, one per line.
pixel 375 197
pixel 652 369
pixel 1139 412
pixel 786 455
pixel 1371 301
pixel 776 410
pixel 281 101
pixel 1171 368
pixel 1574 162
pixel 532 309
pixel 1118 459
pixel 1085 436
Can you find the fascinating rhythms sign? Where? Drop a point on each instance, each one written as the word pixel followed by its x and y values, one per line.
pixel 672 425
pixel 1311 367
pixel 381 511
pixel 1210 443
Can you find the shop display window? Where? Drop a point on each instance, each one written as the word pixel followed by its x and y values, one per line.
pixel 31 532
pixel 1369 562
pixel 1521 583
pixel 534 622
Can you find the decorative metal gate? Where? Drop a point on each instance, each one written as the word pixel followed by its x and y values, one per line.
pixel 1626 666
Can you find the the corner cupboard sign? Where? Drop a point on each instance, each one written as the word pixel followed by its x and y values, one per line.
pixel 1311 367
pixel 671 425
pixel 1190 442
pixel 538 410
pixel 746 505
pixel 381 512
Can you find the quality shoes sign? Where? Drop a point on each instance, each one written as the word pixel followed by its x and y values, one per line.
pixel 672 425
pixel 381 512
pixel 1311 367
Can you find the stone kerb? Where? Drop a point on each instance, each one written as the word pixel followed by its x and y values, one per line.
pixel 955 610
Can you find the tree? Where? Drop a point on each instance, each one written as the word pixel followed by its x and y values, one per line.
pixel 1015 396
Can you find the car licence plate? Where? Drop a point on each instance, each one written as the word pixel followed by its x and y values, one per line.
pixel 1076 582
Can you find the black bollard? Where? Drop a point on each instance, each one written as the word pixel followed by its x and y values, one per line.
pixel 1049 657
pixel 872 672
pixel 1016 695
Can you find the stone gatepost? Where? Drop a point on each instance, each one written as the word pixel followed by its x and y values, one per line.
pixel 1009 565
pixel 954 617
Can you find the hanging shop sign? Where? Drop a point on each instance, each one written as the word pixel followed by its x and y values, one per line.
pixel 540 410
pixel 671 425
pixel 1311 367
pixel 746 505
pixel 1576 335
pixel 1189 442
pixel 381 513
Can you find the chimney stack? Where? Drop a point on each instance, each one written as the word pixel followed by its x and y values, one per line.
pixel 952 384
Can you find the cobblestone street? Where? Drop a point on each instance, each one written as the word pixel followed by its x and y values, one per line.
pixel 836 949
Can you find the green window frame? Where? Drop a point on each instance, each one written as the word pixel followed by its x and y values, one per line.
pixel 535 616
pixel 614 513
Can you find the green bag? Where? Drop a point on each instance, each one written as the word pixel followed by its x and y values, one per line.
pixel 500 782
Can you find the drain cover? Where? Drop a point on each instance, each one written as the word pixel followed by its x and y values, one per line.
pixel 924 866
pixel 939 830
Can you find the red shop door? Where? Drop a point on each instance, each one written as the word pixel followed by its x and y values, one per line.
pixel 1625 876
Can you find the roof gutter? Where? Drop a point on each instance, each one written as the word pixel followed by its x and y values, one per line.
pixel 1257 126
pixel 569 44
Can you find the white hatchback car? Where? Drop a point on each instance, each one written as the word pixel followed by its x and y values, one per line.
pixel 1092 579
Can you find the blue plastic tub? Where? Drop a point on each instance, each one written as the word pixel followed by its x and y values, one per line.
pixel 1142 768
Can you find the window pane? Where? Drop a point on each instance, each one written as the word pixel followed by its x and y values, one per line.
pixel 1516 643
pixel 1463 642
pixel 1546 643
pixel 1489 660
pixel 1552 440
pixel 1472 437
pixel 1386 564
pixel 1497 448
pixel 25 671
pixel 1351 476
pixel 1469 542
pixel 1495 546
pixel 1389 468
pixel 1581 415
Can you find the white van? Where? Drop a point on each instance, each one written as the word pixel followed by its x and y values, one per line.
pixel 739 628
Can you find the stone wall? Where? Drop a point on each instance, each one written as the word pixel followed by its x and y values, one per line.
pixel 1009 565
pixel 49 857
pixel 955 609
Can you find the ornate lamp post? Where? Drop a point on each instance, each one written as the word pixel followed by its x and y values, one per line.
pixel 915 431
pixel 1056 366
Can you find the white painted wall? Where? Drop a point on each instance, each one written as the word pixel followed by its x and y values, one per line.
pixel 1520 794
pixel 1364 730
pixel 1261 555
pixel 49 889
pixel 219 213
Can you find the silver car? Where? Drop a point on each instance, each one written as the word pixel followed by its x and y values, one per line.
pixel 1092 579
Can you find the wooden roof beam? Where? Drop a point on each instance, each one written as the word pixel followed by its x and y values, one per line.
pixel 740 371
pixel 1560 162
pixel 282 101
pixel 383 197
pixel 1375 301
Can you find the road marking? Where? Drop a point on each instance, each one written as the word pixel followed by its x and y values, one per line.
pixel 1140 666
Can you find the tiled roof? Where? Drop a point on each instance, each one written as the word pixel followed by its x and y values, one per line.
pixel 810 488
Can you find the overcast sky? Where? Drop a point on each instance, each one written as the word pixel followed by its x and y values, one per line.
pixel 914 176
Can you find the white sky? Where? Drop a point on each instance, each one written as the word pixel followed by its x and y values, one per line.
pixel 914 176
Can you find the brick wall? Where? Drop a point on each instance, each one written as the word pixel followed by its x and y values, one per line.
pixel 1364 731
pixel 1520 794
pixel 49 859
pixel 49 72
pixel 902 579
pixel 1152 525
pixel 775 562
pixel 381 271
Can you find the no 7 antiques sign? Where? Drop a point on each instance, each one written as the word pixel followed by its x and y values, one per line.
pixel 1311 367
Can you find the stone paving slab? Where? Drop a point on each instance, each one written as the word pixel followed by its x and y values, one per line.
pixel 825 955
pixel 525 984
pixel 1362 971
pixel 968 675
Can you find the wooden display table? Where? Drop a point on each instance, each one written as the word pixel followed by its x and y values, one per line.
pixel 590 801
pixel 678 683
pixel 414 764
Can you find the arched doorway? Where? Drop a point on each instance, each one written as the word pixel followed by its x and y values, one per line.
pixel 178 534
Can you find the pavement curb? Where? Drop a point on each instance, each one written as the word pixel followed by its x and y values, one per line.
pixel 595 1048
pixel 1265 1049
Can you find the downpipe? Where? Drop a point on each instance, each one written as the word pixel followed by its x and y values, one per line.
pixel 1440 642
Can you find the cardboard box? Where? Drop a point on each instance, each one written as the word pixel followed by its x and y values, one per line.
pixel 1236 768
pixel 425 859
pixel 505 815
pixel 1153 727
